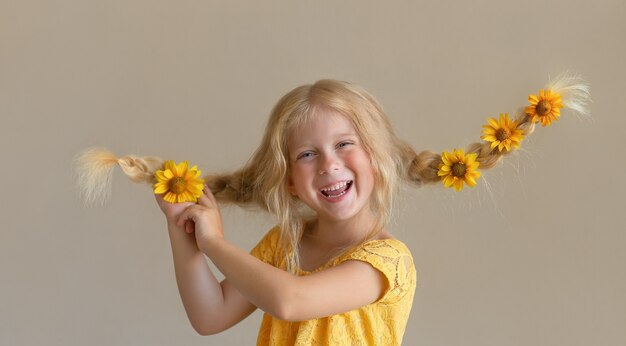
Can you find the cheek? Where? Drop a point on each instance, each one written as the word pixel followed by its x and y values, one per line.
pixel 365 161
pixel 367 169
pixel 297 176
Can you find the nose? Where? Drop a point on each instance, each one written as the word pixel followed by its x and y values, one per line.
pixel 329 163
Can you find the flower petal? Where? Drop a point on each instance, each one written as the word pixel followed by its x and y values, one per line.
pixel 160 188
pixel 160 176
pixel 181 169
pixel 169 164
pixel 471 157
pixel 458 185
pixel 470 181
pixel 170 197
pixel 472 167
pixel 473 174
pixel 494 123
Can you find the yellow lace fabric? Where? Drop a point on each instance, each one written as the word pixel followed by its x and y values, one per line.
pixel 380 323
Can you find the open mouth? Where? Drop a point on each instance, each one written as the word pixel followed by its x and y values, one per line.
pixel 337 190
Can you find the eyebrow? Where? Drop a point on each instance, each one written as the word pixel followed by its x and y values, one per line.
pixel 347 134
pixel 339 135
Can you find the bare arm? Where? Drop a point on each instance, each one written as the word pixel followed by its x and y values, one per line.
pixel 211 306
pixel 276 291
pixel 345 287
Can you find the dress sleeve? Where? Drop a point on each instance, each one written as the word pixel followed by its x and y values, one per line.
pixel 265 250
pixel 392 258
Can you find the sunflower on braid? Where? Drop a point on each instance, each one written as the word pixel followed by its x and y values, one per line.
pixel 501 136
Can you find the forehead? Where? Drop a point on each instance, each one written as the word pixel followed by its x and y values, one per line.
pixel 322 121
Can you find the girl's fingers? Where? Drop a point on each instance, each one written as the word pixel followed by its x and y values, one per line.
pixel 207 199
pixel 189 226
pixel 203 200
pixel 209 194
pixel 184 216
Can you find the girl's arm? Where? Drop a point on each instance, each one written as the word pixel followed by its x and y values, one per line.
pixel 211 306
pixel 345 287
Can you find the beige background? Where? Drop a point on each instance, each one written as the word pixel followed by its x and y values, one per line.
pixel 532 256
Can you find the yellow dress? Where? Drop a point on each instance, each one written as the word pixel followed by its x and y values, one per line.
pixel 380 323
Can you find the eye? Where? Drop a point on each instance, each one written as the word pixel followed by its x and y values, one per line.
pixel 344 144
pixel 305 155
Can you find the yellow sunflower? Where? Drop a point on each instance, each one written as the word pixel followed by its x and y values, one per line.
pixel 544 107
pixel 178 182
pixel 503 133
pixel 458 168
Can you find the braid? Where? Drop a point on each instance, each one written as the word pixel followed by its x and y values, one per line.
pixel 94 170
pixel 423 167
pixel 488 157
pixel 500 138
pixel 140 169
pixel 234 188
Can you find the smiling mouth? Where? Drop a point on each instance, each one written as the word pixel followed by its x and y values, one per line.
pixel 337 190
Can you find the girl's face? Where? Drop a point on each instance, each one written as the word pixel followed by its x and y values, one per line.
pixel 330 170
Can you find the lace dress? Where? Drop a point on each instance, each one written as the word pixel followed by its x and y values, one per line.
pixel 380 323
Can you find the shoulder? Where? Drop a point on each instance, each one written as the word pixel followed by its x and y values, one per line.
pixel 393 259
pixel 387 248
pixel 267 246
pixel 272 235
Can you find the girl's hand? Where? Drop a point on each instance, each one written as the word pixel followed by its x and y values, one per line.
pixel 206 218
pixel 173 210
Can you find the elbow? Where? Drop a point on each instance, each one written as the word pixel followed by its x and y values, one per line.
pixel 285 306
pixel 282 312
pixel 203 331
pixel 284 315
pixel 206 329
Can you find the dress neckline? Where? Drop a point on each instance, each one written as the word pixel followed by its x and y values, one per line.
pixel 349 251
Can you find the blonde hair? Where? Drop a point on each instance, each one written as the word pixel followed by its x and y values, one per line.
pixel 263 180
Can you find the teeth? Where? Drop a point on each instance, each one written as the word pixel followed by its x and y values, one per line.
pixel 335 186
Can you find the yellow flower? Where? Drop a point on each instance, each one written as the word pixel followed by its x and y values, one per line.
pixel 544 107
pixel 458 168
pixel 178 182
pixel 503 133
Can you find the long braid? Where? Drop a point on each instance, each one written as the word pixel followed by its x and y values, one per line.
pixel 94 170
pixel 424 167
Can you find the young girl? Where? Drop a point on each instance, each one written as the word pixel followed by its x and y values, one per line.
pixel 327 167
pixel 330 272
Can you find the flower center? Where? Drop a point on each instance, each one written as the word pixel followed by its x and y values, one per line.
pixel 178 185
pixel 458 169
pixel 503 134
pixel 543 107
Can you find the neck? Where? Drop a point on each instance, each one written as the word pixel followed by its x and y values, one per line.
pixel 343 233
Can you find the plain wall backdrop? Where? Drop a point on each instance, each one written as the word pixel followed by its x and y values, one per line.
pixel 534 255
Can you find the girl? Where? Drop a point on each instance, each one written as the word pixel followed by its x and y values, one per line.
pixel 328 166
